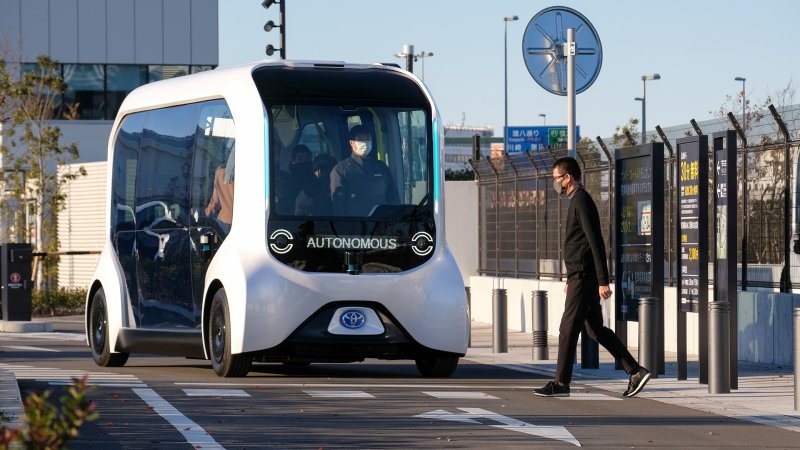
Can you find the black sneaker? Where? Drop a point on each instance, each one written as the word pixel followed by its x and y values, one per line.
pixel 637 382
pixel 553 389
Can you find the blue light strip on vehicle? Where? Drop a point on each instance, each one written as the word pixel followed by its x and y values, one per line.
pixel 435 161
pixel 266 158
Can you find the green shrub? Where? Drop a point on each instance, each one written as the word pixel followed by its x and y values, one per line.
pixel 60 302
pixel 50 427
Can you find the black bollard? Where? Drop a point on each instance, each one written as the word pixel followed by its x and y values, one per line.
pixel 539 325
pixel 499 321
pixel 719 375
pixel 648 334
pixel 469 316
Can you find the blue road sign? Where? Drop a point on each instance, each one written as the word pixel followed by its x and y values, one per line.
pixel 535 139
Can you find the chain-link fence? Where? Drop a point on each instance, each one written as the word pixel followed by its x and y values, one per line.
pixel 522 217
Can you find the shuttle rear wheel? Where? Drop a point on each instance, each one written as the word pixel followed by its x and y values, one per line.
pixel 98 334
pixel 437 366
pixel 224 363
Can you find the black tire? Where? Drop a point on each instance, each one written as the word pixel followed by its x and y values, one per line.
pixel 437 366
pixel 219 341
pixel 98 334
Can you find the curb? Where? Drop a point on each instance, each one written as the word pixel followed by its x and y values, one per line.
pixel 11 401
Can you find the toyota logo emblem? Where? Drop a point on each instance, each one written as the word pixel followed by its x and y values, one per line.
pixel 353 319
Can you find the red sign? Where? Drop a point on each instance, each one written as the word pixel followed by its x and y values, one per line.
pixel 15 277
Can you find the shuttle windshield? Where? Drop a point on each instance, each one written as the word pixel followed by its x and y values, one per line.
pixel 345 143
pixel 350 168
pixel 343 160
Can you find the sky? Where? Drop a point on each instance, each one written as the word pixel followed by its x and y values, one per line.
pixel 698 47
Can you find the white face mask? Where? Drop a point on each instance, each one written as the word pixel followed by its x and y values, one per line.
pixel 362 148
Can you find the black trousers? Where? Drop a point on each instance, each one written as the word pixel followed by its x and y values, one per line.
pixel 583 306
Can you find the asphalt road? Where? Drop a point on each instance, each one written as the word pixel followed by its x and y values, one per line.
pixel 174 403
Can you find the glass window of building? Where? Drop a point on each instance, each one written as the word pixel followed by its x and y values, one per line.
pixel 120 81
pixel 197 69
pixel 86 87
pixel 158 73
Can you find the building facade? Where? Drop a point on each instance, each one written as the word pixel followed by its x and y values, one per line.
pixel 458 145
pixel 104 50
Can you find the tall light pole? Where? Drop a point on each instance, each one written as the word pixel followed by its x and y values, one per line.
pixel 423 55
pixel 652 76
pixel 744 104
pixel 640 99
pixel 408 55
pixel 506 19
pixel 544 118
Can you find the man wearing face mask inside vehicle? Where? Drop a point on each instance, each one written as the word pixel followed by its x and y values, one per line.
pixel 360 182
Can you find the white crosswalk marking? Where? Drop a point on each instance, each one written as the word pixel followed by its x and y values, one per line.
pixel 461 395
pixel 588 396
pixel 28 348
pixel 339 394
pixel 62 377
pixel 216 393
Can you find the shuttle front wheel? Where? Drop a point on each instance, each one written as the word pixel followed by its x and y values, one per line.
pixel 224 363
pixel 437 366
pixel 98 334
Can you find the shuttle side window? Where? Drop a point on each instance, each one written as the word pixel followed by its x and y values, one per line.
pixel 414 142
pixel 123 192
pixel 213 172
pixel 162 195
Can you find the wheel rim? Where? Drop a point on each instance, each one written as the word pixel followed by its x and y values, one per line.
pixel 99 327
pixel 217 334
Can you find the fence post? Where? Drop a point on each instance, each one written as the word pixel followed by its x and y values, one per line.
pixel 499 321
pixel 719 378
pixel 469 316
pixel 539 325
pixel 648 334
pixel 796 341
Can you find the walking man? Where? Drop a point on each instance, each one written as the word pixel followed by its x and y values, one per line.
pixel 587 276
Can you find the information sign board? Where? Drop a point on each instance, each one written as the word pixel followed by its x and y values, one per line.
pixel 535 139
pixel 639 227
pixel 693 223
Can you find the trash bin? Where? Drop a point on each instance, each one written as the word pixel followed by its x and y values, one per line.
pixel 15 281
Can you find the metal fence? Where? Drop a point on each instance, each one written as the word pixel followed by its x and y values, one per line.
pixel 521 217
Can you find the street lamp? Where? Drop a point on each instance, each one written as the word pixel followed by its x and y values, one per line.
pixel 744 105
pixel 640 99
pixel 423 55
pixel 506 19
pixel 544 118
pixel 653 76
pixel 408 55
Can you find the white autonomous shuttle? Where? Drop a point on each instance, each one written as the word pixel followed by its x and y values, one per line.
pixel 278 212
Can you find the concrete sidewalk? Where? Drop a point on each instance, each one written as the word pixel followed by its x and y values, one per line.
pixel 765 394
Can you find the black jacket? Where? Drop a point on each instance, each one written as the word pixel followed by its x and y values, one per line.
pixel 360 184
pixel 584 250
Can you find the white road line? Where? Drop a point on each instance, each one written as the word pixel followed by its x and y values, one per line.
pixel 194 433
pixel 216 393
pixel 53 336
pixel 351 385
pixel 63 377
pixel 339 394
pixel 506 423
pixel 588 396
pixel 461 395
pixel 29 348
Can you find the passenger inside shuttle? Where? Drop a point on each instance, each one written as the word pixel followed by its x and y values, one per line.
pixel 361 182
